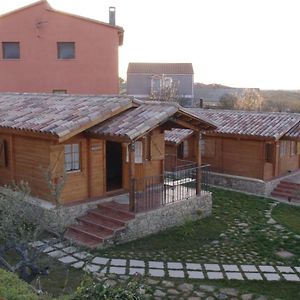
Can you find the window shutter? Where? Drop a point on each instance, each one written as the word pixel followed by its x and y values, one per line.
pixel 2 153
pixel 157 147
pixel 57 160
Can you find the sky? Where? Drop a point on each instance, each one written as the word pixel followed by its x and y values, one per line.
pixel 239 43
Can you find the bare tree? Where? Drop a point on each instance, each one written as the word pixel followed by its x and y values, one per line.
pixel 251 99
pixel 164 88
pixel 228 101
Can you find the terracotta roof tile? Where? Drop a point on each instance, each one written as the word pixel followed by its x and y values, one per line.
pixel 263 124
pixel 177 135
pixel 57 114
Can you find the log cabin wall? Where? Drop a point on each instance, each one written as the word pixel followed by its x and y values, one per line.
pixel 241 157
pixel 153 157
pixel 7 164
pixel 288 156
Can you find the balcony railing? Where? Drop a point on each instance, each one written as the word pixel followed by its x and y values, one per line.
pixel 156 191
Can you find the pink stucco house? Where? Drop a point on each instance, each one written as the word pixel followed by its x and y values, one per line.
pixel 45 50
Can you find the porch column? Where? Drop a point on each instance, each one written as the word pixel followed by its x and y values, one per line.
pixel 276 158
pixel 198 162
pixel 131 149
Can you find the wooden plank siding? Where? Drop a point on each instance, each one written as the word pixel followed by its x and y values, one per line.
pixel 7 171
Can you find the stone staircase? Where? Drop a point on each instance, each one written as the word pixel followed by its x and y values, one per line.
pixel 99 224
pixel 287 190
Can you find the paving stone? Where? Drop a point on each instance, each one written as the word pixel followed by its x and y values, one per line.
pixel 262 298
pixel 173 292
pixel 167 284
pixel 291 277
pixel 82 255
pixel 70 249
pixel 212 267
pixel 117 270
pixel 175 265
pixel 137 263
pixel 156 264
pixel 246 296
pixel 231 268
pixel 118 262
pixel 249 268
pixel 285 269
pixel 156 272
pixel 268 269
pixel 67 259
pixel 159 293
pixel 272 276
pixel 297 269
pixel 229 291
pixel 185 287
pixel 59 245
pixel 36 244
pixel 78 265
pixel 253 276
pixel 207 288
pixel 100 260
pixel 49 249
pixel 234 275
pixel 193 266
pixel 136 271
pixel 57 254
pixel 176 273
pixel 195 274
pixel 215 275
pixel 91 268
pixel 284 254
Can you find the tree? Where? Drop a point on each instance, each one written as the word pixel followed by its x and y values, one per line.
pixel 164 88
pixel 228 101
pixel 251 99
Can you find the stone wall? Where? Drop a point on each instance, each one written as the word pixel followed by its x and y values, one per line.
pixel 174 214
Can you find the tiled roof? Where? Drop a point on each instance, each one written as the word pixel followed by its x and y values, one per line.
pixel 265 124
pixel 177 135
pixel 160 68
pixel 135 122
pixel 57 114
pixel 293 133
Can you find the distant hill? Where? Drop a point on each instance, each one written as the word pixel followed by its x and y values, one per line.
pixel 211 93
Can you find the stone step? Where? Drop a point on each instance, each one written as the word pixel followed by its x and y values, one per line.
pixel 90 231
pixel 284 195
pixel 114 213
pixel 289 184
pixel 94 222
pixel 81 239
pixel 111 221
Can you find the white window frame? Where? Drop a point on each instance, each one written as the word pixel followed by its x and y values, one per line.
pixel 138 152
pixel 72 157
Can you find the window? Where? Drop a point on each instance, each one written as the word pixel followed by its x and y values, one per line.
pixel 72 157
pixel 185 149
pixel 269 153
pixel 59 91
pixel 65 50
pixel 11 50
pixel 293 150
pixel 3 154
pixel 283 148
pixel 138 146
pixel 202 146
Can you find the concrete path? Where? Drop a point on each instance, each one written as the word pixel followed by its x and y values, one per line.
pixel 71 255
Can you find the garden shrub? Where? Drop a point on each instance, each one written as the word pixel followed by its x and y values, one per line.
pixel 13 288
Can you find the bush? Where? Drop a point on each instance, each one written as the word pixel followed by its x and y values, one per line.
pixel 13 288
pixel 91 290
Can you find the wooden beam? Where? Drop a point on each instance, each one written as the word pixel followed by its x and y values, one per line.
pixel 118 139
pixel 185 124
pixel 131 149
pixel 27 133
pixel 198 162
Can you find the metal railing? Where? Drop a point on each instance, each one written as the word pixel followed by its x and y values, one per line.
pixel 174 164
pixel 156 191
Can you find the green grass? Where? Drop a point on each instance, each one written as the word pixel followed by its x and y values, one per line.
pixel 288 216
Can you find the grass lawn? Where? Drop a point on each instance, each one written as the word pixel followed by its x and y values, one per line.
pixel 237 232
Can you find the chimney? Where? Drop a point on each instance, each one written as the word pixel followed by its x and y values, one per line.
pixel 112 15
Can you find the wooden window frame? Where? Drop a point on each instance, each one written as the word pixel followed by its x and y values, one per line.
pixel 138 154
pixel 75 163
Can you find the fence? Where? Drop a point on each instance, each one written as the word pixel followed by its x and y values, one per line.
pixel 156 191
pixel 174 164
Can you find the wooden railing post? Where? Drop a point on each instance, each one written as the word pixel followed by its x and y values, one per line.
pixel 131 149
pixel 198 162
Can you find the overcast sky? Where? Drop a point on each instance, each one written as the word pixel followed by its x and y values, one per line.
pixel 241 43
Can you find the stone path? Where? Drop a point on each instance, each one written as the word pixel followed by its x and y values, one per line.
pixel 70 255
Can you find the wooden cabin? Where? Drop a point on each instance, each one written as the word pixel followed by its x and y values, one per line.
pixel 95 145
pixel 262 145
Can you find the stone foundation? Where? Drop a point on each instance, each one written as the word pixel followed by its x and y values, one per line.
pixel 170 215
